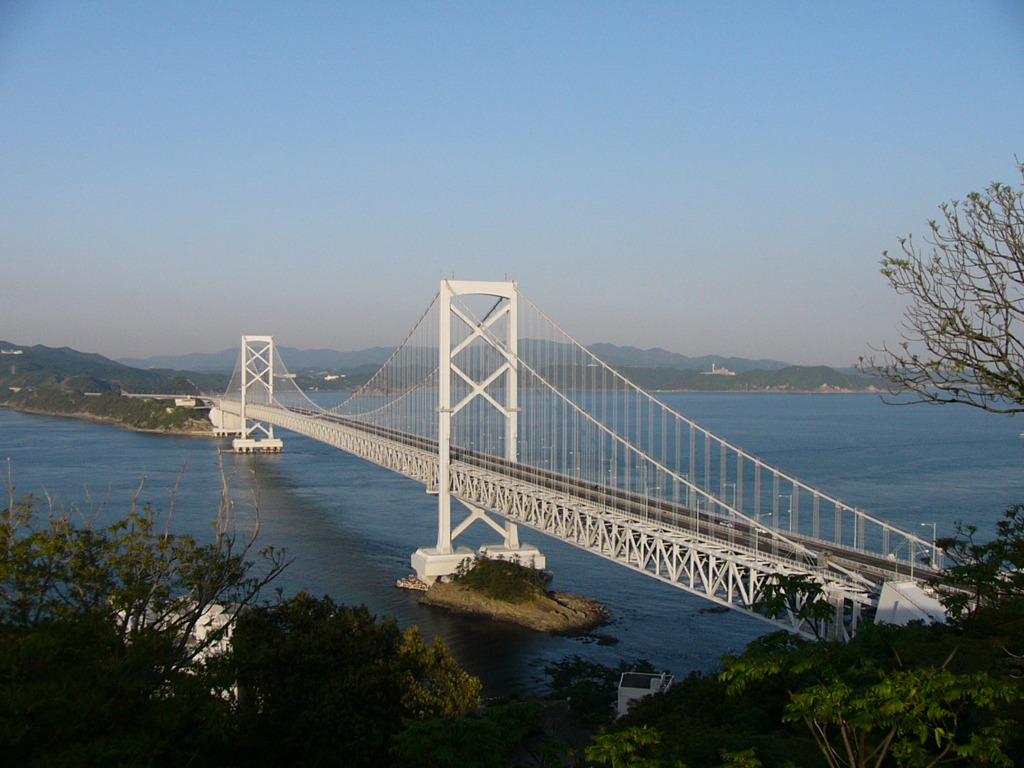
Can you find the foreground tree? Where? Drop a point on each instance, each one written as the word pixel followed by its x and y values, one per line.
pixel 326 684
pixel 58 564
pixel 631 748
pixel 507 735
pixel 963 331
pixel 103 635
pixel 799 597
pixel 985 575
pixel 866 706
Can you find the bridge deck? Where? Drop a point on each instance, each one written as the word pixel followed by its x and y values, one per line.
pixel 727 561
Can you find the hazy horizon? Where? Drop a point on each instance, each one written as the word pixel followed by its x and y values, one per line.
pixel 387 348
pixel 708 178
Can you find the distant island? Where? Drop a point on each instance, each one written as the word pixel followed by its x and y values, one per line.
pixel 66 381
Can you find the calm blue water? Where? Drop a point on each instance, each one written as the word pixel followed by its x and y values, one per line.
pixel 350 526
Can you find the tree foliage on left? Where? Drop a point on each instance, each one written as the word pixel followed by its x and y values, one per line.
pixel 105 657
pixel 101 643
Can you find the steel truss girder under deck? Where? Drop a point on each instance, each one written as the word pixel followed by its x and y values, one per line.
pixel 730 575
pixel 416 464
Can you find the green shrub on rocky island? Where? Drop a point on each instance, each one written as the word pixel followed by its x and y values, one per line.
pixel 505 580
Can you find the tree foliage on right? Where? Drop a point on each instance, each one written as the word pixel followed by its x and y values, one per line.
pixel 985 575
pixel 963 329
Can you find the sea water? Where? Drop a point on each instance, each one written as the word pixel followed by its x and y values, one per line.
pixel 349 527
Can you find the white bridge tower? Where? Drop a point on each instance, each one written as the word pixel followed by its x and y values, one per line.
pixel 257 387
pixel 498 331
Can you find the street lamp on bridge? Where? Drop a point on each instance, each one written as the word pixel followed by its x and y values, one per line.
pixel 934 530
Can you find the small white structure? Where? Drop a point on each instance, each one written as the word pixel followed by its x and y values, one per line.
pixel 185 402
pixel 635 685
pixel 208 637
pixel 717 372
pixel 216 618
pixel 902 602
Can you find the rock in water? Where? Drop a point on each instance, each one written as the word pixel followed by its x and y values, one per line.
pixel 556 612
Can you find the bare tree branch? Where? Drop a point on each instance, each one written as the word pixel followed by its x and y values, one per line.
pixel 963 330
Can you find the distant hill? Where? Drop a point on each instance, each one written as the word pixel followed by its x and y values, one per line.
pixel 795 378
pixel 295 360
pixel 654 369
pixel 332 360
pixel 218 362
pixel 38 365
pixel 659 358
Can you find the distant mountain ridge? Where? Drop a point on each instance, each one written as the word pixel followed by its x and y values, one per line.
pixel 652 369
pixel 24 366
pixel 332 360
pixel 660 358
pixel 295 359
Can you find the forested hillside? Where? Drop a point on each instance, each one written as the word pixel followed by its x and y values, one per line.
pixel 38 365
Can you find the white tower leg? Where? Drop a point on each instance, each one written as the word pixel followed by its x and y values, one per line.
pixel 443 560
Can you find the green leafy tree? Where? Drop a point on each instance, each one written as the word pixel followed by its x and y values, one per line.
pixel 914 715
pixel 962 340
pixel 326 684
pixel 503 735
pixel 865 714
pixel 631 748
pixel 134 572
pixel 506 580
pixel 746 758
pixel 985 574
pixel 798 597
pixel 700 721
pixel 102 643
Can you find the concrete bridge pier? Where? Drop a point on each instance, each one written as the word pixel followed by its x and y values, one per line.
pixel 433 563
pixel 512 549
pixel 268 444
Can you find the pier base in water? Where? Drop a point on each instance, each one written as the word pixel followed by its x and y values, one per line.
pixel 431 565
pixel 257 445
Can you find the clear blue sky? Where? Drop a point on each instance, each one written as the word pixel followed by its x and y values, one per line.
pixel 708 177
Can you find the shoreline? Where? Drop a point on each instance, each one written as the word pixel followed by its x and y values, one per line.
pixel 86 416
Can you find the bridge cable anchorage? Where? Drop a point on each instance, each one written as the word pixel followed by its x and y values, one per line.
pixel 489 402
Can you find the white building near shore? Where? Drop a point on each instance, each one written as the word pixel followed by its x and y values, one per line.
pixel 635 685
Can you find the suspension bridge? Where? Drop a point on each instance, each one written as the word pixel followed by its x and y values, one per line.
pixel 490 403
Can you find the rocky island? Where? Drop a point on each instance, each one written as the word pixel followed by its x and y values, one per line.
pixel 555 612
pixel 507 591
